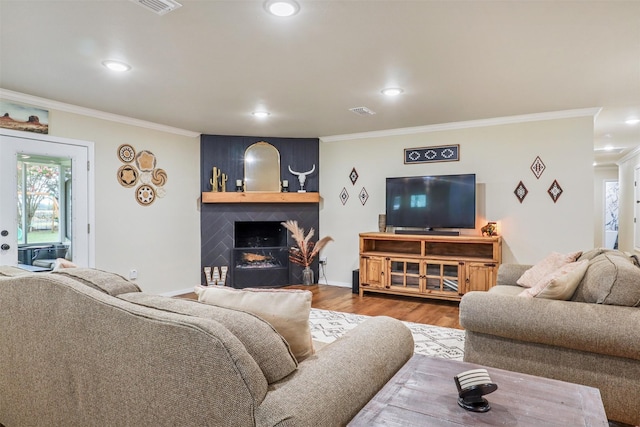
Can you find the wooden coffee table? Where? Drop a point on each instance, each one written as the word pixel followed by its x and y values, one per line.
pixel 423 393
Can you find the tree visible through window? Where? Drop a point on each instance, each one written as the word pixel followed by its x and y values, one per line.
pixel 41 199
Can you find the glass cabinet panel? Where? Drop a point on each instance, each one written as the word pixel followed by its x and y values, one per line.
pixel 404 274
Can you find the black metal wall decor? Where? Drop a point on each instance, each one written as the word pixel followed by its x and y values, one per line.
pixel 353 176
pixel 555 191
pixel 521 191
pixel 344 196
pixel 537 167
pixel 442 153
pixel 363 196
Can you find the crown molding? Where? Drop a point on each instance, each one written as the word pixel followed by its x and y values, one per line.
pixel 628 156
pixel 584 112
pixel 69 108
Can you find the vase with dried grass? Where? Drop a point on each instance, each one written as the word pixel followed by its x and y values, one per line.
pixel 305 250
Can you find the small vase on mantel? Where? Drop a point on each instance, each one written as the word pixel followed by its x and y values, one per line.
pixel 307 276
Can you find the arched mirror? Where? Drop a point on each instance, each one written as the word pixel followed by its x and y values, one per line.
pixel 262 168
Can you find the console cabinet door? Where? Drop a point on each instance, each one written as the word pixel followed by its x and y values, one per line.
pixel 372 271
pixel 480 276
pixel 405 275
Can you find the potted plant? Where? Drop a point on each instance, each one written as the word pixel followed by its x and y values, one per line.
pixel 305 250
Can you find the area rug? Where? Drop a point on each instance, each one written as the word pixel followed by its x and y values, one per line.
pixel 435 341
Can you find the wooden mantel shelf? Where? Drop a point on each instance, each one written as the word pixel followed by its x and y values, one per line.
pixel 259 197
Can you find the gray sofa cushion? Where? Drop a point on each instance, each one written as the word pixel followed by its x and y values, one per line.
pixel 110 283
pixel 612 278
pixel 270 351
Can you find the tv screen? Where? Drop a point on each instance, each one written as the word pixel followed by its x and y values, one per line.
pixel 438 201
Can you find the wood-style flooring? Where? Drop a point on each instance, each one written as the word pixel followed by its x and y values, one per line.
pixel 417 310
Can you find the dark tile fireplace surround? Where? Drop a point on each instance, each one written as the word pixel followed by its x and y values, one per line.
pixel 221 224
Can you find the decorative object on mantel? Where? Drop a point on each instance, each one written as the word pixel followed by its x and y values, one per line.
pixel 262 168
pixel 215 179
pixel 555 191
pixel 363 196
pixel 382 223
pixel 353 176
pixel 305 250
pixel 521 191
pixel 238 186
pixel 143 171
pixel 344 196
pixel 491 229
pixel 302 177
pixel 537 167
pixel 442 153
pixel 285 186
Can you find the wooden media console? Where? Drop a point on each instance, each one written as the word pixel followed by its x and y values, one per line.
pixel 428 266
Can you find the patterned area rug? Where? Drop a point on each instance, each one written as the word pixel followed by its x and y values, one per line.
pixel 435 341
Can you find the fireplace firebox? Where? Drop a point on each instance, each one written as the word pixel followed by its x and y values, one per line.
pixel 260 254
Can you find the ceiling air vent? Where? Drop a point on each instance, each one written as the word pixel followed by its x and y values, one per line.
pixel 161 7
pixel 362 111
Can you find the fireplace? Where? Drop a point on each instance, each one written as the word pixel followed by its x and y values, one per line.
pixel 260 254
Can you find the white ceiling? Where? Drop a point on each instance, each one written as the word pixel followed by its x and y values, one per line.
pixel 207 65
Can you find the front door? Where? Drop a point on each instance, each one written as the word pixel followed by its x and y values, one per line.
pixel 44 200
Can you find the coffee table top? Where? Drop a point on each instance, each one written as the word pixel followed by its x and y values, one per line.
pixel 423 393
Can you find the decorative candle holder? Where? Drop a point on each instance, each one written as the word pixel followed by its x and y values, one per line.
pixel 239 185
pixel 285 186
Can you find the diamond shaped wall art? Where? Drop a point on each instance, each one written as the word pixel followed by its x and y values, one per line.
pixel 363 196
pixel 353 176
pixel 537 167
pixel 555 191
pixel 344 196
pixel 521 191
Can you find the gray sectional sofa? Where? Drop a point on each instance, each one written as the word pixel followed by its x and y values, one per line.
pixel 591 339
pixel 88 348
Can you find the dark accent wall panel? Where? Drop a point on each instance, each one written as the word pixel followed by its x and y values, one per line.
pixel 227 153
pixel 217 220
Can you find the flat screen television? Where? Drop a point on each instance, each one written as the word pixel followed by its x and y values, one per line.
pixel 430 202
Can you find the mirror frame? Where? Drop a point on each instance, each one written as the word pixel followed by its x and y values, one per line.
pixel 262 168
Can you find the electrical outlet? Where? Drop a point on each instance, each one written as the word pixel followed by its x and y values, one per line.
pixel 133 274
pixel 323 260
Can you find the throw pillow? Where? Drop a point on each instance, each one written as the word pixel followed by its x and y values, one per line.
pixel 560 284
pixel 612 278
pixel 286 310
pixel 548 265
pixel 269 349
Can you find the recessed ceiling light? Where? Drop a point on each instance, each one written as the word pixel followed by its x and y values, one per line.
pixel 282 8
pixel 392 91
pixel 116 65
pixel 633 121
pixel 261 114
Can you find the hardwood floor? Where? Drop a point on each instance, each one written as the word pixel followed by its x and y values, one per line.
pixel 417 310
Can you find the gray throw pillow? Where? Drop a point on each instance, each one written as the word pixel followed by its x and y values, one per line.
pixel 612 278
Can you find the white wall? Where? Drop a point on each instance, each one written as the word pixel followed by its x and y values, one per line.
pixel 161 241
pixel 499 155
pixel 626 227
pixel 600 176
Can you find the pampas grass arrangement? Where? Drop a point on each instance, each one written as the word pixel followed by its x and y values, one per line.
pixel 306 250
